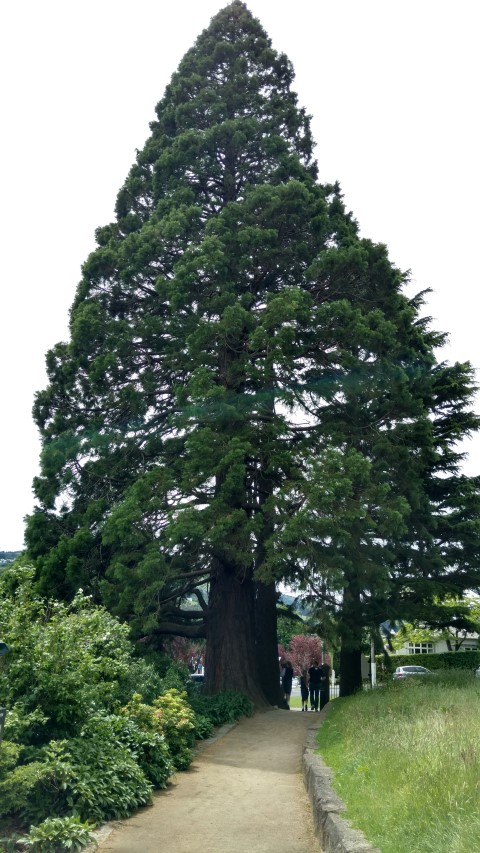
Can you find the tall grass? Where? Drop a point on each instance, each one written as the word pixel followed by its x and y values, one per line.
pixel 406 761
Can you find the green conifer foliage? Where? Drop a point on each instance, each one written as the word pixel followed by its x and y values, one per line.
pixel 229 334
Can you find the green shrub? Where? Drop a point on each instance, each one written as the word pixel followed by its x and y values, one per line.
pixel 140 677
pixel 9 755
pixel 147 745
pixel 68 747
pixel 100 778
pixel 141 713
pixel 177 677
pixel 177 722
pixel 64 660
pixel 58 834
pixel 23 791
pixel 24 726
pixel 203 727
pixel 222 708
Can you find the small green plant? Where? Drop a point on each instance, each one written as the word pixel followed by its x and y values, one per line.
pixel 9 843
pixel 140 677
pixel 203 727
pixel 57 834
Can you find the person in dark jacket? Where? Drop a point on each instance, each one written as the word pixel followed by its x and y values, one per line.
pixel 314 677
pixel 287 679
pixel 304 689
pixel 324 684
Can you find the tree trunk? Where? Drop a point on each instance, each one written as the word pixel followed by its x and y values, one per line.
pixel 231 660
pixel 350 635
pixel 350 671
pixel 266 642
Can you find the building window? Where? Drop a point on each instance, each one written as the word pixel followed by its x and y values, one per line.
pixel 420 648
pixel 469 648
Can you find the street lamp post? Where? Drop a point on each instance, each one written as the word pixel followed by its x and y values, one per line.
pixel 373 665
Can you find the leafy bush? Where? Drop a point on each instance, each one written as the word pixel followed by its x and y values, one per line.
pixel 177 677
pixel 64 660
pixel 140 677
pixel 172 716
pixel 177 722
pixel 24 786
pixel 99 779
pixel 147 745
pixel 223 707
pixel 24 726
pixel 203 726
pixel 58 834
pixel 9 754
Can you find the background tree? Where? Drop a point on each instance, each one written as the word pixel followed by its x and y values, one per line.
pixel 240 362
pixel 303 650
pixel 391 477
pixel 452 620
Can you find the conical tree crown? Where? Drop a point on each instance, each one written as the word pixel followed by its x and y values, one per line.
pixel 228 119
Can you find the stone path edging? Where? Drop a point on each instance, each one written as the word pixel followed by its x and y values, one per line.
pixel 333 831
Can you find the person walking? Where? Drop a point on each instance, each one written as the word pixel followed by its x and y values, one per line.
pixel 304 689
pixel 324 684
pixel 314 681
pixel 287 679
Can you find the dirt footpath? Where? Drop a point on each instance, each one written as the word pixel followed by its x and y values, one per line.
pixel 244 793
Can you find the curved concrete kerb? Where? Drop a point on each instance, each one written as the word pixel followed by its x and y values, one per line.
pixel 333 831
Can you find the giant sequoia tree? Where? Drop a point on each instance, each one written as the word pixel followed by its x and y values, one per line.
pixel 229 332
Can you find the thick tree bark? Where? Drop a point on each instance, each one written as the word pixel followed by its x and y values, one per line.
pixel 266 642
pixel 231 659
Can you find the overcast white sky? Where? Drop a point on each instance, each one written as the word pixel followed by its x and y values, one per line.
pixel 393 90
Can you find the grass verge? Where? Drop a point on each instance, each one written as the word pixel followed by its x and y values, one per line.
pixel 406 759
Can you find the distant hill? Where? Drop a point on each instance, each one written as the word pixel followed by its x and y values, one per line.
pixel 7 557
pixel 297 603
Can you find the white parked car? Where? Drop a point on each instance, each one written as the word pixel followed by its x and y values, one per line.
pixel 477 672
pixel 407 671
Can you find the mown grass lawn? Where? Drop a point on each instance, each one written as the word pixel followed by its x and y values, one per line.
pixel 406 761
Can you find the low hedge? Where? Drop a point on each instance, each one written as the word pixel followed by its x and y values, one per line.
pixel 441 660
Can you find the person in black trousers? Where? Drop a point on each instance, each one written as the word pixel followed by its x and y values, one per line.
pixel 324 684
pixel 314 677
pixel 287 679
pixel 304 689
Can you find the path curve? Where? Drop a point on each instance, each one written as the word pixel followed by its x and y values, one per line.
pixel 244 793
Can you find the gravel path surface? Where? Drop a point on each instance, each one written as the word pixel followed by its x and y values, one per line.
pixel 243 793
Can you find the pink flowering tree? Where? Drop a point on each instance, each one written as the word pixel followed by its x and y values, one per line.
pixel 303 650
